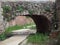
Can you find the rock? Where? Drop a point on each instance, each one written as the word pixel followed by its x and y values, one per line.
pixel 1 21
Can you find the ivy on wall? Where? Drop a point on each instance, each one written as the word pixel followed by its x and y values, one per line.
pixel 6 9
pixel 6 13
pixel 20 8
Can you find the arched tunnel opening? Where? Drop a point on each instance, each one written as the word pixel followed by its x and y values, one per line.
pixel 42 23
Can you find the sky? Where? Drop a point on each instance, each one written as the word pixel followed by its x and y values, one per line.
pixel 27 0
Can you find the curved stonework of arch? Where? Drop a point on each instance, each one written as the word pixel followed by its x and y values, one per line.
pixel 43 24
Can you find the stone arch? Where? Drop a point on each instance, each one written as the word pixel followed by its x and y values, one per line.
pixel 31 9
pixel 42 23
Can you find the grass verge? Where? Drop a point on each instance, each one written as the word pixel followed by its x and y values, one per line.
pixel 16 27
pixel 37 38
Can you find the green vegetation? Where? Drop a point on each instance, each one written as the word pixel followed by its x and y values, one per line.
pixel 37 38
pixel 47 9
pixel 30 12
pixel 16 27
pixel 11 28
pixel 20 8
pixel 2 36
pixel 6 9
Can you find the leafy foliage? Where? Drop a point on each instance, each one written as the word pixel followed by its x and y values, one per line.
pixel 6 15
pixel 6 9
pixel 20 8
pixel 30 12
pixel 2 36
pixel 47 9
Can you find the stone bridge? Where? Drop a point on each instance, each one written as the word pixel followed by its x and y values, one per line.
pixel 41 12
pixel 31 8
